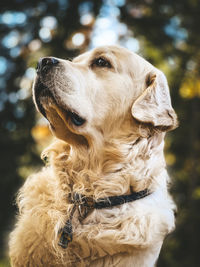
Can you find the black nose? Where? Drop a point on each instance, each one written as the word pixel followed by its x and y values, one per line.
pixel 46 63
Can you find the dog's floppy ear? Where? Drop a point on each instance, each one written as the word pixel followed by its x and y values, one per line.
pixel 154 105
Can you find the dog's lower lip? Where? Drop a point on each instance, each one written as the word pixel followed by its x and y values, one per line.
pixel 66 114
pixel 53 128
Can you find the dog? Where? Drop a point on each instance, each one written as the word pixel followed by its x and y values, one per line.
pixel 102 199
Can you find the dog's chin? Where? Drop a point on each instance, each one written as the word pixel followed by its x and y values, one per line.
pixel 58 117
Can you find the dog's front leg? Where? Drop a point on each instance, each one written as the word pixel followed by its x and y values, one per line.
pixel 27 248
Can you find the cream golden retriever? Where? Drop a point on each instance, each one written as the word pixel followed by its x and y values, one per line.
pixel 109 110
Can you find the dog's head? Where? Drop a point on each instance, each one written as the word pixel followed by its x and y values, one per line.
pixel 101 94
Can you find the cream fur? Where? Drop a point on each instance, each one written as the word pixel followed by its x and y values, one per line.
pixel 118 149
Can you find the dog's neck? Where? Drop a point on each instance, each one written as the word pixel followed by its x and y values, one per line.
pixel 117 169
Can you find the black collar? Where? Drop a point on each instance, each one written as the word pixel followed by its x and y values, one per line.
pixel 108 202
pixel 87 204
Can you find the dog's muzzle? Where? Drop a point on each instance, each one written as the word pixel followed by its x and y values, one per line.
pixel 40 89
pixel 44 89
pixel 46 63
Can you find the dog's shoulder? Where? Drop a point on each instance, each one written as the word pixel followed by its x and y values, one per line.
pixel 37 188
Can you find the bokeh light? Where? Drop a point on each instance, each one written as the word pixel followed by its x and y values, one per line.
pixel 12 19
pixel 49 22
pixel 34 45
pixel 30 73
pixel 11 39
pixel 86 19
pixel 3 65
pixel 78 39
pixel 45 34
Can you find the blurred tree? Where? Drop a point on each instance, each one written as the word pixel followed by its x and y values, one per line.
pixel 170 35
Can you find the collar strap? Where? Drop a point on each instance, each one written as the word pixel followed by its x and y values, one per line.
pixel 86 204
pixel 119 200
pixel 108 202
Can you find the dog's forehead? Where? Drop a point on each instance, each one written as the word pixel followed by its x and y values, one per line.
pixel 111 51
pixel 123 58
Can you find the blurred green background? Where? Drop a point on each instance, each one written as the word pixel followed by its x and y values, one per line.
pixel 167 33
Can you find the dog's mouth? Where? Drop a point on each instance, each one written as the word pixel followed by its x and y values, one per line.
pixel 49 105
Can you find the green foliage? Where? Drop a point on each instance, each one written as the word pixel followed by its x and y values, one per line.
pixel 4 263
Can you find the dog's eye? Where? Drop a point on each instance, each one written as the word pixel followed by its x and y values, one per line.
pixel 76 119
pixel 101 62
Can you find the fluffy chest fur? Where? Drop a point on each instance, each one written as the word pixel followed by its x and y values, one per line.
pixel 103 234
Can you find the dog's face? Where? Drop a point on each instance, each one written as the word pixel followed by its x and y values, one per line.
pixel 100 94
